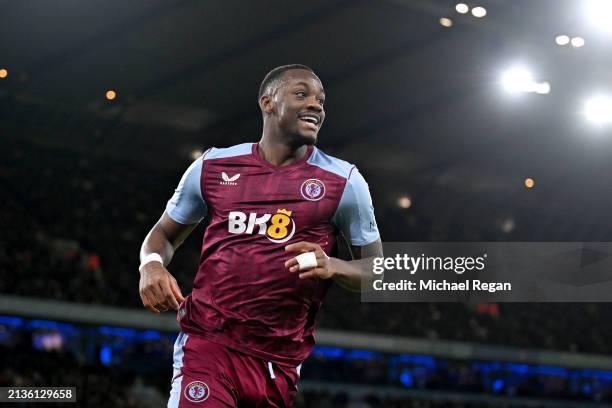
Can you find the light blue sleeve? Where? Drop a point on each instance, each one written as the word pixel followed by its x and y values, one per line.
pixel 355 213
pixel 187 206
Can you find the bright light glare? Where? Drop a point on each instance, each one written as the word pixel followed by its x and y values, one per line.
pixel 598 110
pixel 599 14
pixel 542 88
pixel 479 12
pixel 517 80
pixel 446 22
pixel 562 40
pixel 462 8
pixel 404 202
pixel 520 80
pixel 578 42
pixel 196 153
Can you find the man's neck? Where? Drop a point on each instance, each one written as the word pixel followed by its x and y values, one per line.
pixel 280 153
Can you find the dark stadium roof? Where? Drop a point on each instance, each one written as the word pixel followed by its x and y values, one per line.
pixel 417 106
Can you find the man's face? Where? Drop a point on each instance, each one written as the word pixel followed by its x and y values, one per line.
pixel 298 105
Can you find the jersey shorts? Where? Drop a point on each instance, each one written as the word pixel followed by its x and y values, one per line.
pixel 210 375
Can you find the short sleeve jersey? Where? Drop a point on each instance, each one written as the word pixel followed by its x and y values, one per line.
pixel 243 296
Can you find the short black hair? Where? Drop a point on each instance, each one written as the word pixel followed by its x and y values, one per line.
pixel 276 73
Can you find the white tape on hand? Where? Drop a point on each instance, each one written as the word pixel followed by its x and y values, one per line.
pixel 152 257
pixel 307 260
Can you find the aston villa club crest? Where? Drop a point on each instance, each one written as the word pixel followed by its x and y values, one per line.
pixel 197 391
pixel 313 189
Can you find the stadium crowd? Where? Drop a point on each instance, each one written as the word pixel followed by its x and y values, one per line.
pixel 73 226
pixel 137 380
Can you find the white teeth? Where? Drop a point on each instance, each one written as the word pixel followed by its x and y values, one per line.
pixel 310 119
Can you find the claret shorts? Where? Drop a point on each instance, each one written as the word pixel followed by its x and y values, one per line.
pixel 210 375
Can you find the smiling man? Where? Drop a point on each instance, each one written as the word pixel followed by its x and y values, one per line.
pixel 275 209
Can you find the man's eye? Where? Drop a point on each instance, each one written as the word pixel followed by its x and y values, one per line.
pixel 301 94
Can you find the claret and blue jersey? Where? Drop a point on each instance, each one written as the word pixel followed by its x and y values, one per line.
pixel 243 296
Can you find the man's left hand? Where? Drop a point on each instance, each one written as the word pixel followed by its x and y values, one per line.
pixel 325 265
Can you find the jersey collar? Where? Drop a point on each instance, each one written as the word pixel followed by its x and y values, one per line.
pixel 255 153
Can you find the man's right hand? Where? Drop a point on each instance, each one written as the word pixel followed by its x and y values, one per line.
pixel 158 288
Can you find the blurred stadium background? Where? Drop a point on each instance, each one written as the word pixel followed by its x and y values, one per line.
pixel 486 121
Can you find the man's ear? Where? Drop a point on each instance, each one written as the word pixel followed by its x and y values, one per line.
pixel 265 104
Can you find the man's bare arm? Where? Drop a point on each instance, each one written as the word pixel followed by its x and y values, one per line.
pixel 351 274
pixel 158 289
pixel 348 274
pixel 165 236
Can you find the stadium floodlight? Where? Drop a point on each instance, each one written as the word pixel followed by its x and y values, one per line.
pixel 446 22
pixel 517 79
pixel 462 8
pixel 196 153
pixel 598 110
pixel 542 88
pixel 599 14
pixel 479 12
pixel 404 202
pixel 562 39
pixel 578 42
pixel 520 80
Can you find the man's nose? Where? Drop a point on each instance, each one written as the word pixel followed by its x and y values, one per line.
pixel 313 103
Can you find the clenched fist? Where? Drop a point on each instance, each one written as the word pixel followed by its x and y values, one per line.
pixel 158 288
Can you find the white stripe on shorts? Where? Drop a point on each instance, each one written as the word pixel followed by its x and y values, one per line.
pixel 177 377
pixel 271 370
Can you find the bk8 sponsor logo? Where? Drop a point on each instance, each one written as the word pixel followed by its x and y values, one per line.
pixel 278 227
